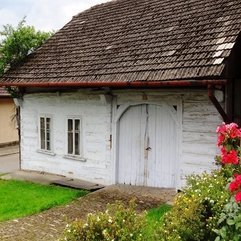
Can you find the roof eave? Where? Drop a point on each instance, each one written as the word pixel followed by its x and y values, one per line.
pixel 131 84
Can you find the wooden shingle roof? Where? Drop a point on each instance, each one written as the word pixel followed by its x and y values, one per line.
pixel 137 40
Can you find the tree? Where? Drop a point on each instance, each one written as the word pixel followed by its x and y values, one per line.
pixel 17 43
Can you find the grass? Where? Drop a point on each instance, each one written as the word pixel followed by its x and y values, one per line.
pixel 154 217
pixel 18 198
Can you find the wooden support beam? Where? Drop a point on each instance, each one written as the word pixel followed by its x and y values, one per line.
pixel 215 102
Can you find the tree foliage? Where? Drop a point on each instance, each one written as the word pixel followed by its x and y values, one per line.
pixel 17 42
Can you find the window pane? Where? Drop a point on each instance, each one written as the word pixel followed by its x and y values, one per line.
pixel 77 125
pixel 48 123
pixel 77 152
pixel 70 125
pixel 48 136
pixel 42 123
pixel 42 133
pixel 48 145
pixel 70 143
pixel 42 139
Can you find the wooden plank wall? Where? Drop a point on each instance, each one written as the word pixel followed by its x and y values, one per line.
pixel 197 118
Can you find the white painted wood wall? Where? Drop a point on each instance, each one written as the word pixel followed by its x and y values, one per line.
pixel 199 119
pixel 197 137
pixel 96 127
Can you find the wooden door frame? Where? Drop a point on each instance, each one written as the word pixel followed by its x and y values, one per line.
pixel 118 111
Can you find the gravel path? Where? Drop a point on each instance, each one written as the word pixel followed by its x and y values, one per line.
pixel 49 224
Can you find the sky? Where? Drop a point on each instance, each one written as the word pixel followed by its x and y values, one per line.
pixel 44 15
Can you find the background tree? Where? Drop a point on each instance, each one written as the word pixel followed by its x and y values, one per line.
pixel 17 42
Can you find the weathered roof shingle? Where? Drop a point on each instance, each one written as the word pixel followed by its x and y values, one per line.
pixel 137 40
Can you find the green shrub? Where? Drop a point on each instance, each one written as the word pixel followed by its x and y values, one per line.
pixel 229 222
pixel 196 210
pixel 117 223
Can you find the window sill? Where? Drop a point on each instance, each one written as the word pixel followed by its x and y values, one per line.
pixel 50 153
pixel 76 158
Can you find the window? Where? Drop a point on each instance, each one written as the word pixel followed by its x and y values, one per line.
pixel 74 131
pixel 45 133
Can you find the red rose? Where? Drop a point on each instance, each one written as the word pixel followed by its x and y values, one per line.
pixel 233 130
pixel 229 157
pixel 233 186
pixel 222 128
pixel 238 179
pixel 227 131
pixel 221 139
pixel 238 197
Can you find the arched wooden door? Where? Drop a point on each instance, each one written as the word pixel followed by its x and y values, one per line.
pixel 147 146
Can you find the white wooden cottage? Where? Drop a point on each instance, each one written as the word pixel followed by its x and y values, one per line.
pixel 131 92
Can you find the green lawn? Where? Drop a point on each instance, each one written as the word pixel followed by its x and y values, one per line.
pixel 154 218
pixel 18 198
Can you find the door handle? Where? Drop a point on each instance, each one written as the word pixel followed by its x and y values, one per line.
pixel 148 148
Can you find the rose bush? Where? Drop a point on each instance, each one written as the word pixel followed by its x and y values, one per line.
pixel 229 136
pixel 229 140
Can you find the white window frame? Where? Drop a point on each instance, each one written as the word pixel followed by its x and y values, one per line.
pixel 45 150
pixel 73 155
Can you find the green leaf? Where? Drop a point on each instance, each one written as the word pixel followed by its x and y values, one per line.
pixel 230 222
pixel 237 225
pixel 223 232
pixel 217 239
